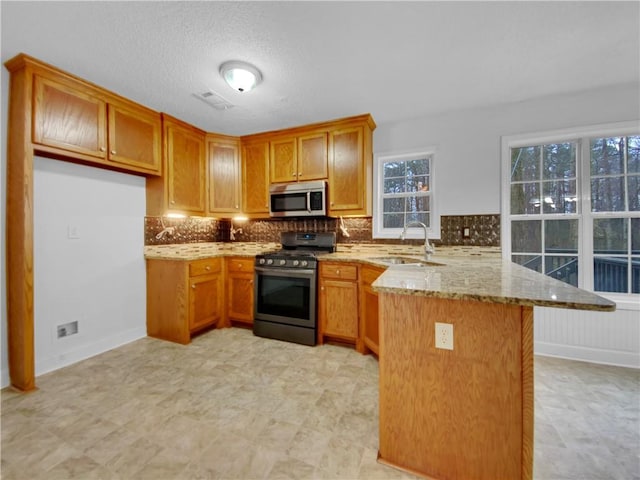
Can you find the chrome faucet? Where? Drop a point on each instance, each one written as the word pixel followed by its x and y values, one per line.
pixel 428 248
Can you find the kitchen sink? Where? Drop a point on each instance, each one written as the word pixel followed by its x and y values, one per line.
pixel 406 261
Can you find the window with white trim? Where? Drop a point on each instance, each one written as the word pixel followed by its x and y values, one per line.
pixel 404 192
pixel 571 206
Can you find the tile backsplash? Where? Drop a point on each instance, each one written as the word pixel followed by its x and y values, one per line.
pixel 484 230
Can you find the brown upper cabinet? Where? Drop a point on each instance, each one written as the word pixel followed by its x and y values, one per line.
pixel 182 189
pixel 299 158
pixel 79 121
pixel 350 171
pixel 255 178
pixel 223 174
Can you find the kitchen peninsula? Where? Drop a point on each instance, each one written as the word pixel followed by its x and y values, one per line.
pixel 466 412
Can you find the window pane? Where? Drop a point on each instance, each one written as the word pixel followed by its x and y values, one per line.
pixel 561 236
pixel 525 198
pixel 418 184
pixel 525 164
pixel 607 156
pixel 635 236
pixel 419 203
pixel 417 167
pixel 633 154
pixel 392 205
pixel 610 274
pixel 564 269
pixel 393 220
pixel 559 161
pixel 418 217
pixel 526 236
pixel 607 194
pixel 633 190
pixel 610 235
pixel 394 169
pixel 635 275
pixel 534 262
pixel 559 197
pixel 394 185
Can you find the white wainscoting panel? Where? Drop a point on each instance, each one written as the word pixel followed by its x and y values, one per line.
pixel 611 338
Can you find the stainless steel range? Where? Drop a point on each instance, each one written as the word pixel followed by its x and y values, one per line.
pixel 286 287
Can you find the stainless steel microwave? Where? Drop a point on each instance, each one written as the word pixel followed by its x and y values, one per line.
pixel 302 199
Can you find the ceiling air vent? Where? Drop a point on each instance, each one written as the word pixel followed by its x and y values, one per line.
pixel 216 101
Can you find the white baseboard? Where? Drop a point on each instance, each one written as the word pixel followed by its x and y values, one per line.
pixel 586 354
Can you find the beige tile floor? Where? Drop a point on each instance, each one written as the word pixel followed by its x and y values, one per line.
pixel 235 406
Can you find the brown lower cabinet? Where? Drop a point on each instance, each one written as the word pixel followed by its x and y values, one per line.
pixel 338 303
pixel 239 282
pixel 183 297
pixel 369 308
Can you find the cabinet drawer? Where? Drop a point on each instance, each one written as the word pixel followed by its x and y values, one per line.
pixel 205 266
pixel 238 264
pixel 338 270
pixel 369 274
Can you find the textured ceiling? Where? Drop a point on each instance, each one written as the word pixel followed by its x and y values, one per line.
pixel 326 60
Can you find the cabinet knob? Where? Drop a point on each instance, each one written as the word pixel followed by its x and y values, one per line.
pixel 237 206
pixel 293 174
pixel 173 201
pixel 193 286
pixel 113 152
pixel 240 266
pixel 337 272
pixel 103 149
pixel 207 268
pixel 332 204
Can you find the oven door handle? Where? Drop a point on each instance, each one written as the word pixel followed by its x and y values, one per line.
pixel 285 272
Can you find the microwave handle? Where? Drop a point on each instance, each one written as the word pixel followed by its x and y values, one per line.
pixel 309 202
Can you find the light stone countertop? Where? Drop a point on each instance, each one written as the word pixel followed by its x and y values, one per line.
pixel 196 251
pixel 456 272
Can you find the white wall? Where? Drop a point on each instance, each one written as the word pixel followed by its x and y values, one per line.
pixel 468 142
pixel 468 179
pixel 97 279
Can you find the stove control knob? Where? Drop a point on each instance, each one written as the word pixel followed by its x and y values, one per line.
pixel 304 263
pixel 296 263
pixel 269 261
pixel 282 262
pixel 262 261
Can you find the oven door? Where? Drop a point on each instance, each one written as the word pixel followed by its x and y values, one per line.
pixel 286 295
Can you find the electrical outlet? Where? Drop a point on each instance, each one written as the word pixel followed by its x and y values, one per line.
pixel 466 232
pixel 73 231
pixel 444 336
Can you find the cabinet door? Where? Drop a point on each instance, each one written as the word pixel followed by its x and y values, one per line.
pixel 283 161
pixel 240 274
pixel 69 119
pixel 185 175
pixel 205 301
pixel 339 309
pixel 255 178
pixel 312 156
pixel 347 171
pixel 224 176
pixel 134 137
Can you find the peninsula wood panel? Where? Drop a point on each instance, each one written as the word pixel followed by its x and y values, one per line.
pixel 465 413
pixel 255 179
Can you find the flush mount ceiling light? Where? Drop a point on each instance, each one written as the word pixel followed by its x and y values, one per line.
pixel 240 76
